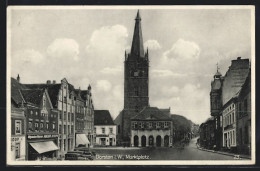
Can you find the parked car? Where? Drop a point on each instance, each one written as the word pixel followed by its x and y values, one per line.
pixel 75 156
pixel 86 154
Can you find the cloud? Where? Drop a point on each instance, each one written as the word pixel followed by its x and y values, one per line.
pixel 64 48
pixel 28 56
pixel 103 85
pixel 152 45
pixel 107 44
pixel 183 49
pixel 113 71
pixel 165 73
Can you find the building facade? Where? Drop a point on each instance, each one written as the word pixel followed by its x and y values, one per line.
pixel 50 111
pixel 226 106
pixel 136 83
pixel 84 117
pixel 18 133
pixel 42 125
pixel 104 128
pixel 151 127
pixel 243 128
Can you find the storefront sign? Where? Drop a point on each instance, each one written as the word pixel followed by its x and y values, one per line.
pixel 16 139
pixel 42 136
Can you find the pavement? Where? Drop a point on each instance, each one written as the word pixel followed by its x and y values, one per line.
pixel 236 156
pixel 189 152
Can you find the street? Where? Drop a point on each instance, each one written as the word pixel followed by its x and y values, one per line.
pixel 190 152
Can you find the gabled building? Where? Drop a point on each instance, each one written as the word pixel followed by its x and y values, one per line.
pixel 151 127
pixel 42 125
pixel 104 128
pixel 68 103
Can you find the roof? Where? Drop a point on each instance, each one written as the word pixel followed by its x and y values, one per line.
pixel 15 91
pixel 137 42
pixel 102 117
pixel 53 90
pixel 33 96
pixel 151 113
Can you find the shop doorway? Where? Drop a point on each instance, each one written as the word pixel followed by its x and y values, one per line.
pixel 110 141
pixel 103 141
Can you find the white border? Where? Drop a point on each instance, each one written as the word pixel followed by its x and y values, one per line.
pixel 125 162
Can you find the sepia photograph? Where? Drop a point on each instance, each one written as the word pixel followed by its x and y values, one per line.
pixel 130 85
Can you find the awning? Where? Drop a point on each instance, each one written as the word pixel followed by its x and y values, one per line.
pixel 81 139
pixel 42 147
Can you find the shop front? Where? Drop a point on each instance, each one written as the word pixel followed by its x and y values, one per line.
pixel 42 147
pixel 82 140
pixel 18 147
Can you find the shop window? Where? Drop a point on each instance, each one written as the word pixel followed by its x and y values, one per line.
pixel 17 150
pixel 103 130
pixel 18 127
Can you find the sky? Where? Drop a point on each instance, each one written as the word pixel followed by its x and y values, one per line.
pixel 87 46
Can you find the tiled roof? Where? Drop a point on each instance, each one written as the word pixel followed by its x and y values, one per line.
pixel 102 117
pixel 53 90
pixel 33 96
pixel 15 91
pixel 151 113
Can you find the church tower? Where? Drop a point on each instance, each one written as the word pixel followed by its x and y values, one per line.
pixel 136 82
pixel 136 79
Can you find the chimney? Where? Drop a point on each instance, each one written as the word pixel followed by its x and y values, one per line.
pixel 48 82
pixel 238 58
pixel 18 78
pixel 54 82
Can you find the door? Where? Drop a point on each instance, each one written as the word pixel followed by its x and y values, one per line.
pixel 103 141
pixel 110 141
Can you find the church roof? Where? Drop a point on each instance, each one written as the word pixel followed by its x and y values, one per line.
pixel 137 48
pixel 151 113
pixel 102 117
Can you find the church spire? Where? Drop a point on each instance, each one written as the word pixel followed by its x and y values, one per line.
pixel 137 49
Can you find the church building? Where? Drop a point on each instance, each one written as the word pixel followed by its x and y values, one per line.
pixel 136 88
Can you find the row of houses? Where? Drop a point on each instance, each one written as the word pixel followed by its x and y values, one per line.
pixel 48 120
pixel 229 127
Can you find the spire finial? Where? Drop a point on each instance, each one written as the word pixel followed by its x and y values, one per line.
pixel 217 67
pixel 138 16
